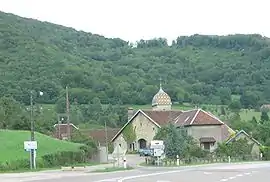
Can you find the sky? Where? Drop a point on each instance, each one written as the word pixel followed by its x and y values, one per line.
pixel 133 20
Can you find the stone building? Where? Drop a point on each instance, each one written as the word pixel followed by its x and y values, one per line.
pixel 203 126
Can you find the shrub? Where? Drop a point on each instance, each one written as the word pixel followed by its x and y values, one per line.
pixel 52 160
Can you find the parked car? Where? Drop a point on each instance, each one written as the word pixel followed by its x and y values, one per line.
pixel 145 152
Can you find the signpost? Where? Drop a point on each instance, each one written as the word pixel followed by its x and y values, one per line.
pixel 158 147
pixel 31 146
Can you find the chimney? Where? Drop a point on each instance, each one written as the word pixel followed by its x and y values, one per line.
pixel 130 112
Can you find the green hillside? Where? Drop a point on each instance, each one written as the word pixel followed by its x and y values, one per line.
pixel 12 147
pixel 197 69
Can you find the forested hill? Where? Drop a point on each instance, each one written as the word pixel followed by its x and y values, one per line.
pixel 199 69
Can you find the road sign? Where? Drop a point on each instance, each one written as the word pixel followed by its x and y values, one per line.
pixel 30 145
pixel 157 144
pixel 158 152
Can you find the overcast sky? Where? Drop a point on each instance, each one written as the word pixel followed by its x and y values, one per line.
pixel 133 20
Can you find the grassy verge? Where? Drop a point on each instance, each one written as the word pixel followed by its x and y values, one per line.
pixel 48 169
pixel 194 164
pixel 112 169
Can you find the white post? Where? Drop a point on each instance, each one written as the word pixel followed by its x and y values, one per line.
pixel 177 160
pixel 229 157
pixel 35 156
pixel 261 155
pixel 125 162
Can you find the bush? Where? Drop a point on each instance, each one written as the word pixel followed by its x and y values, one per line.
pixel 58 159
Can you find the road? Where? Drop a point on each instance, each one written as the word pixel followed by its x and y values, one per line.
pixel 248 172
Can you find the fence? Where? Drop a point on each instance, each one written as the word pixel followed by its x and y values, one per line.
pixel 208 160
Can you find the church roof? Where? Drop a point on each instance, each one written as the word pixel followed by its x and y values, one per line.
pixel 161 98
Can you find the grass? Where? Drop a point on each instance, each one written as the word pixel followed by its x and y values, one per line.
pixel 12 147
pixel 112 169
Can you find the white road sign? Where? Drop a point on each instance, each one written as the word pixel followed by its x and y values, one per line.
pixel 30 145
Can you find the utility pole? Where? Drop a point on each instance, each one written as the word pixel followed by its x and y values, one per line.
pixel 106 140
pixel 67 112
pixel 32 130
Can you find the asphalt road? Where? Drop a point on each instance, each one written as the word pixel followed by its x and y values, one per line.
pixel 256 172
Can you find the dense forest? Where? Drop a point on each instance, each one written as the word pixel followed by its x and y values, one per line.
pixel 197 69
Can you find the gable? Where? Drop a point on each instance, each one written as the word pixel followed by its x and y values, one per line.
pixel 204 118
pixel 131 120
pixel 244 134
pixel 197 117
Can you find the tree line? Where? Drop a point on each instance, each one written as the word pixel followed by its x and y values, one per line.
pixel 198 69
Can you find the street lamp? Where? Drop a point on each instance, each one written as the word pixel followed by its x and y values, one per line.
pixel 32 157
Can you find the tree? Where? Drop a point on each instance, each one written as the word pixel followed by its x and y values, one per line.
pixel 129 134
pixel 235 106
pixel 264 116
pixel 175 140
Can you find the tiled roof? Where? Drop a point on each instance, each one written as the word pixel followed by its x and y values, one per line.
pixel 185 118
pixel 163 117
pixel 99 135
pixel 207 139
pixel 197 117
pixel 161 98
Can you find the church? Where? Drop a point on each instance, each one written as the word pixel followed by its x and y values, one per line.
pixel 207 129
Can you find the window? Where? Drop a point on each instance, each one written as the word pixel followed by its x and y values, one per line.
pixel 120 145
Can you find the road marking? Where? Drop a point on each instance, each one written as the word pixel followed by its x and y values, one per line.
pixel 111 179
pixel 247 173
pixel 207 173
pixel 152 174
pixel 224 180
pixel 233 177
pixel 239 175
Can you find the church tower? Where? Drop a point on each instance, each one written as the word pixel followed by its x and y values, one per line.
pixel 161 101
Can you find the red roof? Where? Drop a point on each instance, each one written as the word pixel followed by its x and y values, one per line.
pixel 197 117
pixel 99 135
pixel 162 117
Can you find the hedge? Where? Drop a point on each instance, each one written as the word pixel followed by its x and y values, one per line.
pixel 51 160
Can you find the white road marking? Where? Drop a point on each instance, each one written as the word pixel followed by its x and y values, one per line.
pixel 152 174
pixel 111 179
pixel 224 180
pixel 247 173
pixel 207 173
pixel 233 177
pixel 239 175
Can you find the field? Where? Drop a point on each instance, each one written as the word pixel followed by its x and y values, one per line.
pixel 12 145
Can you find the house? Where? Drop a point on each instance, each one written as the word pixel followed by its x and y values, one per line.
pixel 203 126
pixel 255 151
pixel 101 136
pixel 61 130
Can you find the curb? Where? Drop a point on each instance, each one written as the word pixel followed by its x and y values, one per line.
pixel 72 168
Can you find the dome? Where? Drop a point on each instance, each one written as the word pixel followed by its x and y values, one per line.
pixel 161 98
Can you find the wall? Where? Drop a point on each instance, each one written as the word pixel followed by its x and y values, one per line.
pixel 206 131
pixel 120 140
pixel 144 128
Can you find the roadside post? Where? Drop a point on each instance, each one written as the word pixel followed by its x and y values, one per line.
pixel 177 160
pixel 31 146
pixel 125 162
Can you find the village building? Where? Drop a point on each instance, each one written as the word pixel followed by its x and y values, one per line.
pixel 204 127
